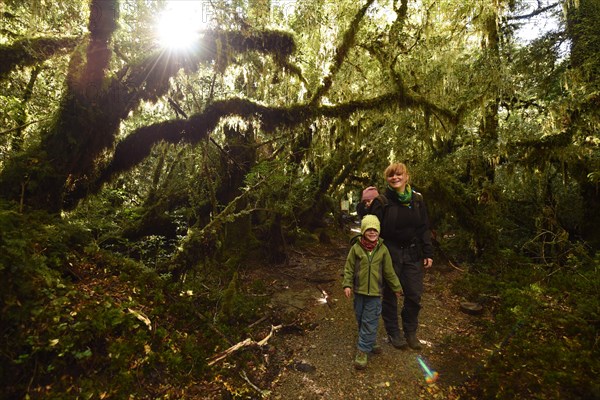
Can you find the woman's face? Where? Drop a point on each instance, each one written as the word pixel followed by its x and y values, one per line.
pixel 397 180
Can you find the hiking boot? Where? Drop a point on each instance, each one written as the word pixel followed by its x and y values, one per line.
pixel 376 349
pixel 398 342
pixel 360 361
pixel 413 342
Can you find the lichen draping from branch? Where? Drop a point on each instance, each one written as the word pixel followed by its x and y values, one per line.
pixel 137 146
pixel 31 51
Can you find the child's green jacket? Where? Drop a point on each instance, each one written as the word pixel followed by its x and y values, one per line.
pixel 364 272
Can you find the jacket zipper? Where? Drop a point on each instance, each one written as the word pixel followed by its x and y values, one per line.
pixel 370 256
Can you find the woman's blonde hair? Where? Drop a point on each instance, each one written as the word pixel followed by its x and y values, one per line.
pixel 395 168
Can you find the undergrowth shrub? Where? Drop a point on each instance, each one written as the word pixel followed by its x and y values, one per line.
pixel 80 322
pixel 544 328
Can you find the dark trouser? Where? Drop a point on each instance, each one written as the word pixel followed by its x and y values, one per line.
pixel 409 268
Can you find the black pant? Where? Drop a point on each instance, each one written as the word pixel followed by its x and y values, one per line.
pixel 408 265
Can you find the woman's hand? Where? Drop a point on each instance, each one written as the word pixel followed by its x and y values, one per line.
pixel 428 263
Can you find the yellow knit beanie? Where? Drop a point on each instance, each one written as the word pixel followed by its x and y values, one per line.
pixel 369 222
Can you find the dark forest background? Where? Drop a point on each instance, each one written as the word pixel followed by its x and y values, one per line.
pixel 163 173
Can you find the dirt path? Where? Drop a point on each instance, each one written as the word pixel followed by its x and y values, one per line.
pixel 317 363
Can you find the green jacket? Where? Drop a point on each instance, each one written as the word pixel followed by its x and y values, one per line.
pixel 365 272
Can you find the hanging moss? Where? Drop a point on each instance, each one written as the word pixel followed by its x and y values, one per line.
pixel 154 71
pixel 280 44
pixel 342 52
pixel 31 51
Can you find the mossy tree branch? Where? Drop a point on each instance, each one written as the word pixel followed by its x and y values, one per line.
pixel 32 51
pixel 199 241
pixel 137 146
pixel 88 119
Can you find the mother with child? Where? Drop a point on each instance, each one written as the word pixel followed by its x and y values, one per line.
pixel 389 258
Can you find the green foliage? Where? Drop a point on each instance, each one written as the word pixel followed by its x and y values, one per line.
pixel 500 136
pixel 278 188
pixel 77 319
pixel 238 308
pixel 544 329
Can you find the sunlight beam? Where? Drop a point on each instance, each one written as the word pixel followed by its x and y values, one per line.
pixel 179 25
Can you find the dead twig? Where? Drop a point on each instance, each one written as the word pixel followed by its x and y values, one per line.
pixel 258 322
pixel 450 263
pixel 263 393
pixel 213 327
pixel 324 296
pixel 244 343
pixel 443 253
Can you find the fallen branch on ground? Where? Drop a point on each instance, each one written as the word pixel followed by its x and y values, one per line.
pixel 244 343
pixel 263 393
pixel 450 263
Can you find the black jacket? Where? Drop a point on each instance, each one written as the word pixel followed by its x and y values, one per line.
pixel 402 225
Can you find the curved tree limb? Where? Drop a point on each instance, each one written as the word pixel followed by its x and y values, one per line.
pixel 149 79
pixel 90 113
pixel 28 52
pixel 539 10
pixel 137 146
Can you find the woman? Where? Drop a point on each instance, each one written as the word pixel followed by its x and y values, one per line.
pixel 406 233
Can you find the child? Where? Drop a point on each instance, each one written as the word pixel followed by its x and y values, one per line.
pixel 367 265
pixel 367 197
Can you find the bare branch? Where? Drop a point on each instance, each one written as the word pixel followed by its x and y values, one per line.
pixel 244 343
pixel 24 125
pixel 536 12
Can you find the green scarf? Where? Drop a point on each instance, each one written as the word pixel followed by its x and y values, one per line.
pixel 404 197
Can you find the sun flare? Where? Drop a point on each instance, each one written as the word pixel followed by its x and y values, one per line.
pixel 179 25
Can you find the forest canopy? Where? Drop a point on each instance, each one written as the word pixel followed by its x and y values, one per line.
pixel 237 130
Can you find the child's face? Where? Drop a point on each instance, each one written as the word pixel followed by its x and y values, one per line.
pixel 371 235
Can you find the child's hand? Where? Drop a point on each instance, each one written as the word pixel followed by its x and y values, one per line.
pixel 398 294
pixel 348 292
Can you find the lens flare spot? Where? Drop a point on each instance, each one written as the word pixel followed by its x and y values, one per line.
pixel 179 25
pixel 430 375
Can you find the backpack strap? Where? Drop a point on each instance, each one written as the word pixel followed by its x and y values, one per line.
pixel 383 200
pixel 417 199
pixel 354 239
